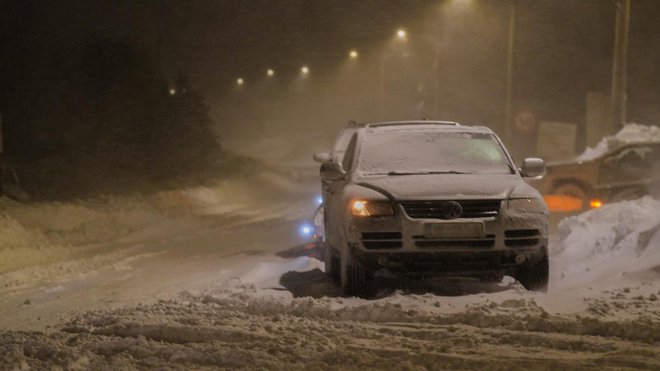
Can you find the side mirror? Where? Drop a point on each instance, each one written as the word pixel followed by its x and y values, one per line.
pixel 532 167
pixel 332 171
pixel 322 157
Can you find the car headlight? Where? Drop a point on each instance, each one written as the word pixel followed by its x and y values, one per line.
pixel 371 208
pixel 533 205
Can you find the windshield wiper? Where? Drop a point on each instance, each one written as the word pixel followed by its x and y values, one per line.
pixel 426 172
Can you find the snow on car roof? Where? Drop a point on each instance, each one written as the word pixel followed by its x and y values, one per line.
pixel 630 133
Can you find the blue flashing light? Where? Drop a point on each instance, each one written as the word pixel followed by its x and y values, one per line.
pixel 306 230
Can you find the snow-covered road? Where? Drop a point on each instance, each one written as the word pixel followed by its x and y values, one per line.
pixel 209 291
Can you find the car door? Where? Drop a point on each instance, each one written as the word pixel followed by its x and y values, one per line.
pixel 630 166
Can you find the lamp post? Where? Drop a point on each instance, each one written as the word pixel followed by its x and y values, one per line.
pixel 619 78
pixel 436 80
pixel 508 107
pixel 402 36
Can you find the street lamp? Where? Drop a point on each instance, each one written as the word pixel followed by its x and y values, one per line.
pixel 270 72
pixel 240 81
pixel 401 34
pixel 353 54
pixel 304 70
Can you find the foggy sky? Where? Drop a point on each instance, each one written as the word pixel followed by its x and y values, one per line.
pixel 563 50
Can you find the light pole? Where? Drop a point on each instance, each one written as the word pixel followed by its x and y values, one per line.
pixel 402 36
pixel 508 108
pixel 436 80
pixel 619 78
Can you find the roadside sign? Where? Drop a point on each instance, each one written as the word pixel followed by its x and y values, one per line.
pixel 525 122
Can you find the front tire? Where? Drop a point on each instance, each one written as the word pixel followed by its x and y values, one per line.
pixel 355 278
pixel 332 264
pixel 535 277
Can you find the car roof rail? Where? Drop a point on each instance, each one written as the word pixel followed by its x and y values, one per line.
pixel 411 123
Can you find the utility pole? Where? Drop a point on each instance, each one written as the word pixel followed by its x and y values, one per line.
pixel 619 77
pixel 508 115
pixel 381 89
pixel 436 81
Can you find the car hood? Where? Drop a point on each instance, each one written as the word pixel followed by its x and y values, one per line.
pixel 454 186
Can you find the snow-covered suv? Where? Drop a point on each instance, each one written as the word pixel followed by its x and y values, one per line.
pixel 425 200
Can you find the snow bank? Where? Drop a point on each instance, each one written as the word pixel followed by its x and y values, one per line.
pixel 608 243
pixel 34 227
pixel 14 236
pixel 629 134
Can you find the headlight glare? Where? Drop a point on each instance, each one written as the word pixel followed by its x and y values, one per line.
pixel 371 208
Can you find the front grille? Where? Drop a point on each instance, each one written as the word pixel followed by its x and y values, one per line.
pixel 381 240
pixel 477 243
pixel 439 209
pixel 521 237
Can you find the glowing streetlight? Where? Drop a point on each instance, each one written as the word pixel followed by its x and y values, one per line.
pixel 401 34
pixel 172 91
pixel 463 2
pixel 240 81
pixel 304 70
pixel 270 72
pixel 353 54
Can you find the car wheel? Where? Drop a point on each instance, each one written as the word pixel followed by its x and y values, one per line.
pixel 355 278
pixel 535 277
pixel 332 264
pixel 574 190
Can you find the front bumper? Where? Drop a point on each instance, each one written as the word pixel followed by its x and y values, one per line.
pixel 401 245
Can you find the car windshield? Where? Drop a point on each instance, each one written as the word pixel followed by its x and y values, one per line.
pixel 431 152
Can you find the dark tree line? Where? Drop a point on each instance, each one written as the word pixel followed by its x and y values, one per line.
pixel 100 115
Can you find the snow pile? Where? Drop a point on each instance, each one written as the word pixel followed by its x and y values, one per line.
pixel 630 133
pixel 88 224
pixel 610 242
pixel 14 236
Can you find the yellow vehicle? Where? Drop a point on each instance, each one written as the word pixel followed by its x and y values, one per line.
pixel 629 171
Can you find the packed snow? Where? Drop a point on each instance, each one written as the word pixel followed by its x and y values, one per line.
pixel 195 279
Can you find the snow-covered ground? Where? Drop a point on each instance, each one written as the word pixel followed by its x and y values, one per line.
pixel 191 279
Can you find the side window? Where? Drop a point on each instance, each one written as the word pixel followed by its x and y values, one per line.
pixel 638 157
pixel 347 162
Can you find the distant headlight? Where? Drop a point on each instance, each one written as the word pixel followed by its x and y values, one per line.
pixel 306 230
pixel 371 208
pixel 533 205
